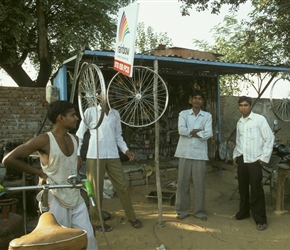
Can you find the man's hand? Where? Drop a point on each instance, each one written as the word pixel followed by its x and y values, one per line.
pixel 235 163
pixel 42 178
pixel 130 155
pixel 261 162
pixel 194 132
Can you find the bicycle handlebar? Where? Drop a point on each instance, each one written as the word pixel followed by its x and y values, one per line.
pixel 73 180
pixel 46 186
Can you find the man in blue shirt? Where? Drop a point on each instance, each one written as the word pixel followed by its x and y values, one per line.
pixel 195 128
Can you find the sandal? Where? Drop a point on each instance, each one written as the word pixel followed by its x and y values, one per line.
pixel 203 218
pixel 107 228
pixel 261 227
pixel 179 217
pixel 136 223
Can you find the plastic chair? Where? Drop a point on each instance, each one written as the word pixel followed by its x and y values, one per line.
pixel 269 169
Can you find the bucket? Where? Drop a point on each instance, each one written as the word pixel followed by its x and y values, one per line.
pixel 11 224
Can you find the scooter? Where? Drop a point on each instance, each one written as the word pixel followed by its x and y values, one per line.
pixel 279 148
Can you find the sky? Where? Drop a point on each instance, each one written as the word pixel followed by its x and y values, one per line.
pixel 164 16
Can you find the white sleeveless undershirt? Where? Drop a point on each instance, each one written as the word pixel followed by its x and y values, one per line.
pixel 58 169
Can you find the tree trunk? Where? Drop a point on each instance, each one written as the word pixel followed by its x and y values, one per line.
pixel 44 55
pixel 18 74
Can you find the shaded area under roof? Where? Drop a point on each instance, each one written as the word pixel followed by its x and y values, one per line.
pixel 176 64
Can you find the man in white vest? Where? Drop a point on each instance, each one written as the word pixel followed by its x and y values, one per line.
pixel 58 157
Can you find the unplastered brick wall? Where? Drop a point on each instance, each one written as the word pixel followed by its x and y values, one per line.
pixel 22 113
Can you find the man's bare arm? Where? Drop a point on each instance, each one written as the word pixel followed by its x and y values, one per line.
pixel 16 158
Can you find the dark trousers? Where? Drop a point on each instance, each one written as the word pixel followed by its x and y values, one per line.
pixel 250 174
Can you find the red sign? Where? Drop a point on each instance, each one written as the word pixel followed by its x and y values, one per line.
pixel 122 67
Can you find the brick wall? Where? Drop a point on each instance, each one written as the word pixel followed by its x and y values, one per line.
pixel 22 112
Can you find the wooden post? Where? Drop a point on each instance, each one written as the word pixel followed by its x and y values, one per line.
pixel 156 157
pixel 283 171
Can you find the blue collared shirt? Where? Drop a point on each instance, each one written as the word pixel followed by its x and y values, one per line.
pixel 190 147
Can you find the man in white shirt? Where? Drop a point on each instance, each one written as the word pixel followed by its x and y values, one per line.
pixel 254 145
pixel 195 128
pixel 110 138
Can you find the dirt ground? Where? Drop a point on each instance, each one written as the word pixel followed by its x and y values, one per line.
pixel 220 231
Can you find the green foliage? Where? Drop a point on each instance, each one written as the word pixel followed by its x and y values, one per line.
pixel 271 17
pixel 229 45
pixel 147 40
pixel 243 42
pixel 213 5
pixel 264 39
pixel 48 32
pixel 269 25
pixel 15 17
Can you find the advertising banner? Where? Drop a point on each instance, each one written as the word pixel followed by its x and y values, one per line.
pixel 125 39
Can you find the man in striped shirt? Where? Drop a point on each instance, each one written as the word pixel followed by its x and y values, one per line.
pixel 254 145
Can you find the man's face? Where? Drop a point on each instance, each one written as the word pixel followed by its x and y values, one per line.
pixel 71 119
pixel 196 101
pixel 245 108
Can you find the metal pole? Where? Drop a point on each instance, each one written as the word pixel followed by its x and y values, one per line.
pixel 264 89
pixel 219 117
pixel 24 202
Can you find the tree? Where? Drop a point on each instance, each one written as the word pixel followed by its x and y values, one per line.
pixel 214 5
pixel 48 32
pixel 242 43
pixel 147 40
pixel 270 18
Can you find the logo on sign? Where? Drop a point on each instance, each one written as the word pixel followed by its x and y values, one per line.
pixel 123 28
pixel 123 31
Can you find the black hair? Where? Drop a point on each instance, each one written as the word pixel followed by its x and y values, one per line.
pixel 197 93
pixel 245 99
pixel 57 108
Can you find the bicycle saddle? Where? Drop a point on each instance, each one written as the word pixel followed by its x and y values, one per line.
pixel 50 235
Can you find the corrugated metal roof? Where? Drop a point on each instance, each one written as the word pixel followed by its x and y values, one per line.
pixel 169 63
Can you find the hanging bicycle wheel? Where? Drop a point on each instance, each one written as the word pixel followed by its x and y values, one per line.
pixel 91 95
pixel 280 99
pixel 141 99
